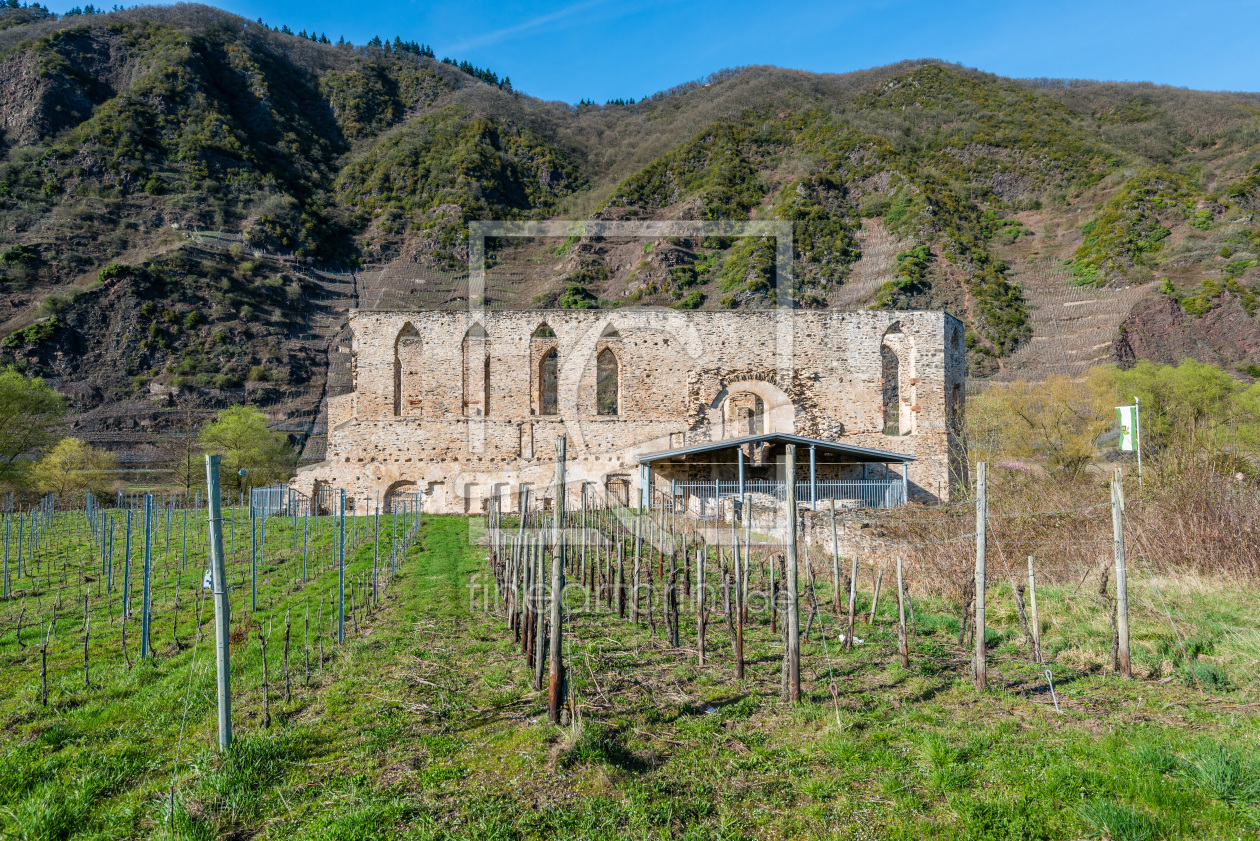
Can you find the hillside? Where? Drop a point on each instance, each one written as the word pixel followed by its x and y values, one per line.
pixel 188 200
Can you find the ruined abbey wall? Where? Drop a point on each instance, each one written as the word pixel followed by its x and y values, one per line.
pixel 461 407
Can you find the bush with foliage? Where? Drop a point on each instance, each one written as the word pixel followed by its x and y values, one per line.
pixel 575 297
pixel 241 435
pixel 33 335
pixel 488 168
pixel 72 468
pixel 1127 227
pixel 31 417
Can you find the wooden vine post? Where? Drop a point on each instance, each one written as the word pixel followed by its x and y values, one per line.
pixel 793 652
pixel 835 562
pixel 634 580
pixel 1122 583
pixel 902 643
pixel 702 606
pixel 982 515
pixel 1036 623
pixel 555 684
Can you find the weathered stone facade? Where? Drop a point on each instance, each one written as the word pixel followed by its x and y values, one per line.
pixel 463 407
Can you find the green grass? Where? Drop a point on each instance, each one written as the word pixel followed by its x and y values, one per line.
pixel 424 725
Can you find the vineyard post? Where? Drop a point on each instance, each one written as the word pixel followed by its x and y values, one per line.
pixel 879 580
pixel 126 594
pixel 748 512
pixel 1122 581
pixel 539 593
pixel 253 556
pixel 982 516
pixel 638 551
pixel 1036 623
pixel 146 592
pixel 555 685
pixel 341 568
pixel 793 652
pixel 835 561
pixel 902 643
pixel 222 607
pixel 740 574
pixel 87 635
pixel 701 604
pixel 581 576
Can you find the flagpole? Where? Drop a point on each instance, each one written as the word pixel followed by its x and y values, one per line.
pixel 1137 428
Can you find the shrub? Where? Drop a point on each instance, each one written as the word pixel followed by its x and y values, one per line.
pixel 18 254
pixel 897 210
pixel 56 304
pixel 32 335
pixel 577 298
pixel 112 271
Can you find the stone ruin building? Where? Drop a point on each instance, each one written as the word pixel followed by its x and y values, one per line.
pixel 461 407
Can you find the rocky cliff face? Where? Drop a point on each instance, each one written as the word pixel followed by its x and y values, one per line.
pixel 1159 329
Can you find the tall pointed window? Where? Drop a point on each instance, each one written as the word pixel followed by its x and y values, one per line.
pixel 549 383
pixel 546 375
pixel 476 352
pixel 896 357
pixel 607 383
pixel 890 367
pixel 407 367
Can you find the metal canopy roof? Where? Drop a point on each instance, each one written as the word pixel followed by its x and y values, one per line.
pixel 859 454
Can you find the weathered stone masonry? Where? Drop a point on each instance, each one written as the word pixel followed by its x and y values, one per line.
pixel 461 407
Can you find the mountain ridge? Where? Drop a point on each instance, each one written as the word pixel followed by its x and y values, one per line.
pixel 122 132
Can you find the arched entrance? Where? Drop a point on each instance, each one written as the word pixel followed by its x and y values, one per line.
pixel 318 501
pixel 617 487
pixel 753 407
pixel 897 380
pixel 399 488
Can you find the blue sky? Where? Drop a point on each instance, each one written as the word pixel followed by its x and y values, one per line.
pixel 603 49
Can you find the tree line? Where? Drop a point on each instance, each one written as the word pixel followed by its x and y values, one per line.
pixel 37 457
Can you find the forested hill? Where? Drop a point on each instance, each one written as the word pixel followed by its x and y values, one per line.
pixel 1128 207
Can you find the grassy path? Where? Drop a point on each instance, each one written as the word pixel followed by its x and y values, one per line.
pixel 424 726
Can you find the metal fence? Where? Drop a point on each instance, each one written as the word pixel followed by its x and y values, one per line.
pixel 702 498
pixel 277 499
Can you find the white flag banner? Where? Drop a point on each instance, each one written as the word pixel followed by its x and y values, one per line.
pixel 1126 415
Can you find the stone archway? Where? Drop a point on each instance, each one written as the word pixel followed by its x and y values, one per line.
pixel 753 407
pixel 617 486
pixel 898 380
pixel 387 499
pixel 317 488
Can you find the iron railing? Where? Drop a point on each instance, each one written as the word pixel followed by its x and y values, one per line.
pixel 701 498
